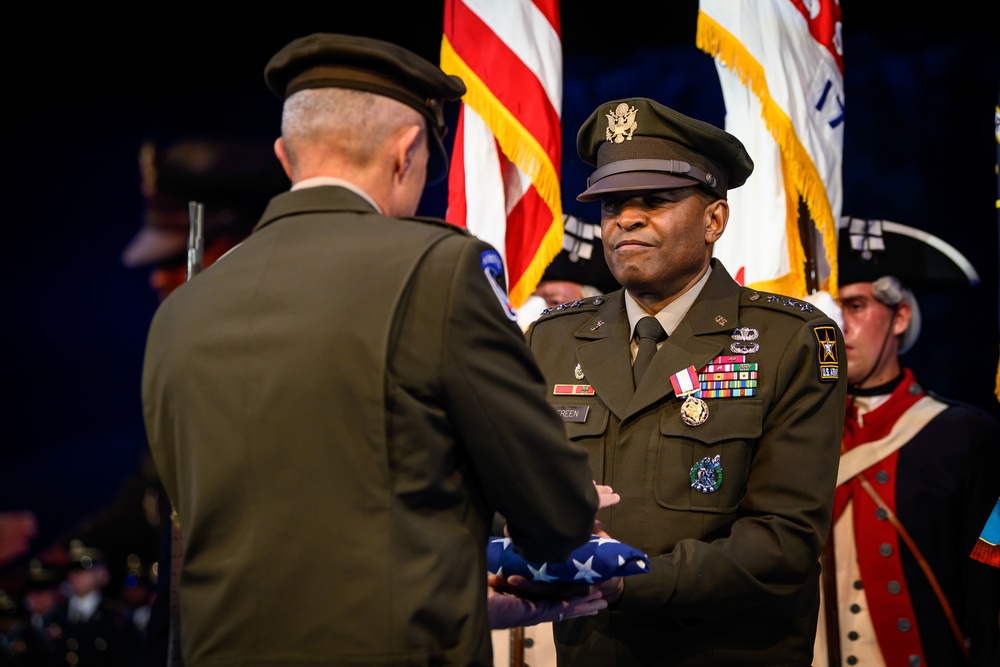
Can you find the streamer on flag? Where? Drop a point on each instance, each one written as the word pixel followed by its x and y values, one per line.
pixel 503 183
pixel 780 66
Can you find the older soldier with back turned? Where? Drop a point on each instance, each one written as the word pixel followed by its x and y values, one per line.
pixel 724 447
pixel 339 406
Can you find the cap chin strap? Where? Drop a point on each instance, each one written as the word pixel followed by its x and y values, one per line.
pixel 678 167
pixel 855 389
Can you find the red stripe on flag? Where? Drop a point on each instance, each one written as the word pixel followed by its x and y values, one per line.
pixel 457 204
pixel 508 79
pixel 524 233
pixel 522 217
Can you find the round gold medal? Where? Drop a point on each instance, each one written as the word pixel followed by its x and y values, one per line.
pixel 694 411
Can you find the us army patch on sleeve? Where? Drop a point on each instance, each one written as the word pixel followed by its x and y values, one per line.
pixel 826 352
pixel 493 270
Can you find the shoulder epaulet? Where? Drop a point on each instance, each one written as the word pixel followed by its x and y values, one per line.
pixel 757 299
pixel 578 306
pixel 438 222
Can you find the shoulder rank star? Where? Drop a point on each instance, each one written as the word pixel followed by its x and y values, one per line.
pixel 694 411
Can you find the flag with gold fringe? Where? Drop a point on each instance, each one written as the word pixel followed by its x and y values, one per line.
pixel 503 183
pixel 780 66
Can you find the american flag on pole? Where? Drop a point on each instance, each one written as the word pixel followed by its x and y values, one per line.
pixel 780 66
pixel 503 183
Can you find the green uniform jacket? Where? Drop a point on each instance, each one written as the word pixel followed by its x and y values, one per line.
pixel 337 407
pixel 734 573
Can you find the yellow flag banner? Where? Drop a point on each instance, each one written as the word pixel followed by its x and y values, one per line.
pixel 781 71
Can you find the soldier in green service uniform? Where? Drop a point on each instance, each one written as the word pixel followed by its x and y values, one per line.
pixel 339 405
pixel 724 449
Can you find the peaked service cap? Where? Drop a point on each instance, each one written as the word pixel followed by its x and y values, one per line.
pixel 328 60
pixel 638 145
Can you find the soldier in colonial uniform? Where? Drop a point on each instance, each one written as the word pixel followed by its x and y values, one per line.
pixel 919 473
pixel 723 439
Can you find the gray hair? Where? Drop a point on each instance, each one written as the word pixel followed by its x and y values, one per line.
pixel 352 123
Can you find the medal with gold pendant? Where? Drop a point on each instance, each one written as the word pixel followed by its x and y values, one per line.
pixel 694 411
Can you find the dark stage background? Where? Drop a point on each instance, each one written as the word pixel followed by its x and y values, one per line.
pixel 82 96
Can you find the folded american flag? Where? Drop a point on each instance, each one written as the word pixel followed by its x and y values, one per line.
pixel 599 559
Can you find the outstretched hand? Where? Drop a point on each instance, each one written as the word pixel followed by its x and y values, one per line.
pixel 606 496
pixel 516 601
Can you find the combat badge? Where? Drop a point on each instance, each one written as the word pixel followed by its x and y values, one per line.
pixel 493 269
pixel 826 349
pixel 706 475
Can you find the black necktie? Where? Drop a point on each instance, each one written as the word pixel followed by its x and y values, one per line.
pixel 650 333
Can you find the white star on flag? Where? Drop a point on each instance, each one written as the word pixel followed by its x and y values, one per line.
pixel 541 574
pixel 586 571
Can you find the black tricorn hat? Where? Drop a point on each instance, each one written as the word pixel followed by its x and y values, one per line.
pixel 868 249
pixel 327 60
pixel 900 261
pixel 638 145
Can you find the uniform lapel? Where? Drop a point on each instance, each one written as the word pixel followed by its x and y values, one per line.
pixel 701 336
pixel 604 355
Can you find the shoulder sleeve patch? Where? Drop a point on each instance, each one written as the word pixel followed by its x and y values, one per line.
pixel 826 352
pixel 493 270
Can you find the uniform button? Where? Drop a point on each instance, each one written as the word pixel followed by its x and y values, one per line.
pixel 881 514
pixel 894 587
pixel 903 625
pixel 914 661
pixel 885 550
pixel 855 608
pixel 852 660
pixel 852 635
pixel 528 642
pixel 881 477
pixel 858 585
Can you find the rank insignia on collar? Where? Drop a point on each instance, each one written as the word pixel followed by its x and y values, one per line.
pixel 706 475
pixel 826 351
